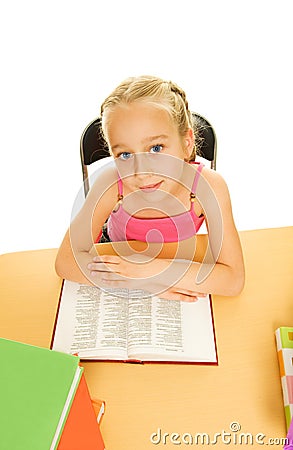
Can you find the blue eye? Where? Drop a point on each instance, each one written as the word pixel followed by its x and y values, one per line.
pixel 124 156
pixel 156 149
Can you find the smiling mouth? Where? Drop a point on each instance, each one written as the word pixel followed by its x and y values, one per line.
pixel 151 187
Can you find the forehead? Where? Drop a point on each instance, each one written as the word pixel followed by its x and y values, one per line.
pixel 139 121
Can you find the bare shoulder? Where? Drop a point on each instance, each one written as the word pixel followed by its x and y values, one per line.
pixel 212 181
pixel 106 173
pixel 102 196
pixel 105 181
pixel 213 178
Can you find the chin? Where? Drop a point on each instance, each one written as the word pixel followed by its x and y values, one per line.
pixel 156 196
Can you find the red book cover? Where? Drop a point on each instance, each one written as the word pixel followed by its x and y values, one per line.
pixel 81 430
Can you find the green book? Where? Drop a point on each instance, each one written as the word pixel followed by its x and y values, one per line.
pixel 37 386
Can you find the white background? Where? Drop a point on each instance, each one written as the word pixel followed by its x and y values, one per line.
pixel 61 58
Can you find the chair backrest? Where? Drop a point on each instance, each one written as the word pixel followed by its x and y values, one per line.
pixel 93 146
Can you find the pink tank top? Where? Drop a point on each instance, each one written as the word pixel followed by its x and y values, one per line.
pixel 122 226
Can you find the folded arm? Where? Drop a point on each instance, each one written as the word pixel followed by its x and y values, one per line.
pixel 220 272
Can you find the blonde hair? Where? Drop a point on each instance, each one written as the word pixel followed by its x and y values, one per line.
pixel 162 94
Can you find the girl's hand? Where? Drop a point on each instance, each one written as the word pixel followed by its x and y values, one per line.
pixel 111 268
pixel 181 294
pixel 118 272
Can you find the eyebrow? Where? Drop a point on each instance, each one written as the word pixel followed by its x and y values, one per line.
pixel 154 138
pixel 147 140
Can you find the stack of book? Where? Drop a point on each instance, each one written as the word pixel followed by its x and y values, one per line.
pixel 45 402
pixel 284 340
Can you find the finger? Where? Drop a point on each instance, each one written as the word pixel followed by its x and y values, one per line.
pixel 191 293
pixel 178 296
pixel 103 280
pixel 101 267
pixel 105 276
pixel 111 259
pixel 188 292
pixel 111 276
pixel 113 284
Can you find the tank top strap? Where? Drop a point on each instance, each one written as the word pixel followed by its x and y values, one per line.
pixel 120 189
pixel 196 177
pixel 195 183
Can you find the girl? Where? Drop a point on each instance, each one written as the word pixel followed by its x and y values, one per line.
pixel 152 192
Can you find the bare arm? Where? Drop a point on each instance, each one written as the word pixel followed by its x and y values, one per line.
pixel 73 255
pixel 222 270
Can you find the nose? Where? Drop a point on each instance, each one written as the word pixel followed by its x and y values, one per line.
pixel 142 164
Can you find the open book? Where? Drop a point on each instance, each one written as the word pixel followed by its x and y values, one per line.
pixel 133 325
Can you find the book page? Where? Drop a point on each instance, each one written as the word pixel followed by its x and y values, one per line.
pixel 169 330
pixel 154 324
pixel 91 322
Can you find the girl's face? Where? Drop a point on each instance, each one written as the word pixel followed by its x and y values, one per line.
pixel 148 150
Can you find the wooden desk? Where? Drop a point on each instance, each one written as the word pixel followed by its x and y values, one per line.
pixel 244 388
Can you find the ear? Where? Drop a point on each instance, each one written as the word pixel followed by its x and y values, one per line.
pixel 189 143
